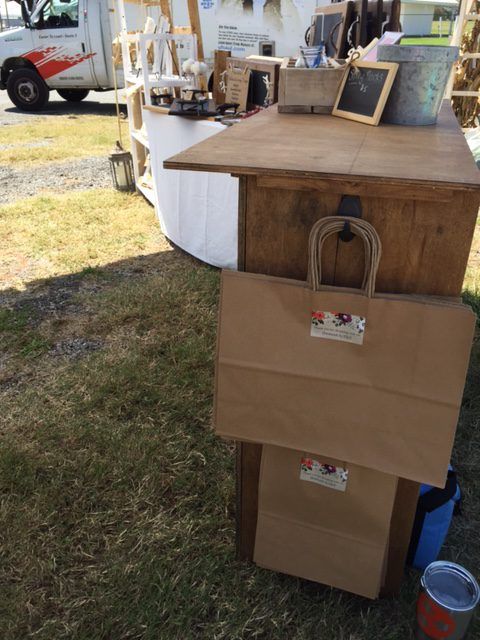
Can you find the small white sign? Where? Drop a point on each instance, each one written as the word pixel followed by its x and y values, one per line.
pixel 343 327
pixel 324 474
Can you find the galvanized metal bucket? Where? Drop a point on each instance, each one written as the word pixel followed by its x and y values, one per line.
pixel 448 597
pixel 419 85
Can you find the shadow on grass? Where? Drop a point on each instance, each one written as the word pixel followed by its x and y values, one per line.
pixel 61 107
pixel 33 319
pixel 117 497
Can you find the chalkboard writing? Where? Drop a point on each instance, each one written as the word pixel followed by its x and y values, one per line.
pixel 364 91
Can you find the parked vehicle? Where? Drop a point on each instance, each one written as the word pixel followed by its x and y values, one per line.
pixel 64 45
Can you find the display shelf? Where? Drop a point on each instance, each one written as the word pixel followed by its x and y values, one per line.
pixel 167 81
pixel 139 137
pixel 146 190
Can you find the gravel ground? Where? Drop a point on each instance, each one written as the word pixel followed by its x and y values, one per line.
pixel 75 347
pixel 84 173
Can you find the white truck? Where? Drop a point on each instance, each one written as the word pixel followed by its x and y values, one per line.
pixel 64 45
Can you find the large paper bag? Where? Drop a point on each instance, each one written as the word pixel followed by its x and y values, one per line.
pixel 375 379
pixel 323 520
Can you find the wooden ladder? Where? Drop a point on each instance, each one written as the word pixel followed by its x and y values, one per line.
pixel 465 16
pixel 136 76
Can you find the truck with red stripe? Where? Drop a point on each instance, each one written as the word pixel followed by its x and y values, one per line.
pixel 64 45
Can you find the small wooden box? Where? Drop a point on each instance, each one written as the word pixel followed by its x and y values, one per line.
pixel 308 90
pixel 260 66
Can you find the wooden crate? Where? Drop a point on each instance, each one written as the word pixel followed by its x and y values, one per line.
pixel 259 67
pixel 308 90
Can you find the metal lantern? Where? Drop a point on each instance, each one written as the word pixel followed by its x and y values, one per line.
pixel 121 166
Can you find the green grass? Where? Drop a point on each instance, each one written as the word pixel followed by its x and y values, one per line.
pixel 438 42
pixel 442 27
pixel 58 234
pixel 117 499
pixel 16 335
pixel 58 138
pixel 434 39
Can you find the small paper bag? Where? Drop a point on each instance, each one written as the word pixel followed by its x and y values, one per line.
pixel 323 519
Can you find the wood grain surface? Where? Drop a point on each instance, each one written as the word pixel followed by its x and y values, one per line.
pixel 310 145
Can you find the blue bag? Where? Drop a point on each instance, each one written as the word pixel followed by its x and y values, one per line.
pixel 434 513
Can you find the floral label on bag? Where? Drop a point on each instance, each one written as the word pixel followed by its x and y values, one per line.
pixel 337 326
pixel 325 474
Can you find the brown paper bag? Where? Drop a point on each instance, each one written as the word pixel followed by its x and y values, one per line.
pixel 375 379
pixel 323 520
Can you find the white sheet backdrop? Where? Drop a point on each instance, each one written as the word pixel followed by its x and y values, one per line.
pixel 198 211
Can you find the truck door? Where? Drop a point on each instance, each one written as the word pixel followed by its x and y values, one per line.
pixel 61 53
pixel 99 39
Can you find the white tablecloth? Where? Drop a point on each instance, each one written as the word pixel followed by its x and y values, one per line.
pixel 198 211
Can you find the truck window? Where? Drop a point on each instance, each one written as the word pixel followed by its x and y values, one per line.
pixel 59 14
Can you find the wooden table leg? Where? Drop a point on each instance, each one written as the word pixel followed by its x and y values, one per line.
pixel 248 471
pixel 400 531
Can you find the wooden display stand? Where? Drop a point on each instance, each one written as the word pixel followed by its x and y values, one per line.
pixel 418 186
pixel 137 76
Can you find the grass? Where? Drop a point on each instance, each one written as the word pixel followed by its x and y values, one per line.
pixel 441 27
pixel 434 39
pixel 117 505
pixel 59 234
pixel 116 498
pixel 58 138
pixel 438 42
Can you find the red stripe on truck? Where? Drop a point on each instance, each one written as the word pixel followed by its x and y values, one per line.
pixel 53 60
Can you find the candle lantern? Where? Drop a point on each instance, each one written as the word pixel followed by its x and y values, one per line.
pixel 121 166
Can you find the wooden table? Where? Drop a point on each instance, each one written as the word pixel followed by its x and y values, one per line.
pixel 419 187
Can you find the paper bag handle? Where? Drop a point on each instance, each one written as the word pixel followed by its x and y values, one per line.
pixel 326 227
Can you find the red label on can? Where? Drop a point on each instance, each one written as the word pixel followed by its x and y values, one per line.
pixel 433 619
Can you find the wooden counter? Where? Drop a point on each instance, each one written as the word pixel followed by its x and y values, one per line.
pixel 315 146
pixel 419 187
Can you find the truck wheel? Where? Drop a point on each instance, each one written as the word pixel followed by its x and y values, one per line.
pixel 27 90
pixel 73 95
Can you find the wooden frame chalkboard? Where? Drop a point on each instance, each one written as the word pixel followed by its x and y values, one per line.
pixel 364 91
pixel 334 20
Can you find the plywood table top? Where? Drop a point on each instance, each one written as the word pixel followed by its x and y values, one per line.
pixel 316 146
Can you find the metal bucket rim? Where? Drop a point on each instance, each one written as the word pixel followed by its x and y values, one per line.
pixel 437 47
pixel 413 53
pixel 459 570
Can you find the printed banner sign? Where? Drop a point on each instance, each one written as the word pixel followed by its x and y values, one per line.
pixel 239 27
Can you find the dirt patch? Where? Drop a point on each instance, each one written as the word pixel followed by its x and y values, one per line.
pixel 75 347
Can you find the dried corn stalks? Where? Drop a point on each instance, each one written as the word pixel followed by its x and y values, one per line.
pixel 467 76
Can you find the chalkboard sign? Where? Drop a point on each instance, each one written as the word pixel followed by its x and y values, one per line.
pixel 330 25
pixel 364 91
